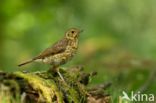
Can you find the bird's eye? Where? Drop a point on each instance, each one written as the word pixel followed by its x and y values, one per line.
pixel 72 32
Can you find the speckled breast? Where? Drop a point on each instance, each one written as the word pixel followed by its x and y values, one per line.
pixel 61 58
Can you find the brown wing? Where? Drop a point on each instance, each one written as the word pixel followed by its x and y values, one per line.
pixel 58 47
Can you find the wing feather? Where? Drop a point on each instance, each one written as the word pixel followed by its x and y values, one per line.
pixel 58 47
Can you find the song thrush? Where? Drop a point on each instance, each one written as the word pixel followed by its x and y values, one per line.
pixel 59 53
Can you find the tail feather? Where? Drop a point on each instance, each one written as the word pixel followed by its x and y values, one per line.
pixel 27 62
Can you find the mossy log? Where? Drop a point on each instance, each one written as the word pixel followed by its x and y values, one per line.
pixel 48 87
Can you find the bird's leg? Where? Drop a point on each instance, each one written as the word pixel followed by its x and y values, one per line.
pixel 60 75
pixel 55 69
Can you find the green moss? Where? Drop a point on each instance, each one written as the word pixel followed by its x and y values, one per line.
pixel 45 88
pixel 51 88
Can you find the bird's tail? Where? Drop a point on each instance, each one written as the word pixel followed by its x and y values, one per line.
pixel 27 62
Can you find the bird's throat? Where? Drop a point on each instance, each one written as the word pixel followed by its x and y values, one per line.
pixel 73 43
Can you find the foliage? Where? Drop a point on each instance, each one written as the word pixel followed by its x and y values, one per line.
pixel 118 39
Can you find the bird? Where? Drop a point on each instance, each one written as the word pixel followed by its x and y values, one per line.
pixel 60 52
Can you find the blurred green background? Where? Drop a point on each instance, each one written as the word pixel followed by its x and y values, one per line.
pixel 119 38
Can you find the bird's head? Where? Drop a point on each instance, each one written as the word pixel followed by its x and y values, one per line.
pixel 73 33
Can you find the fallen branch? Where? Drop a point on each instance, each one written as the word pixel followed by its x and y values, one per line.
pixel 47 87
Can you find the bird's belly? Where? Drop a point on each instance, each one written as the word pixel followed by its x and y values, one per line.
pixel 58 59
